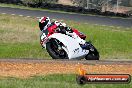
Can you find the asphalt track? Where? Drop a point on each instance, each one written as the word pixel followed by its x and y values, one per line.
pixel 100 20
pixel 84 62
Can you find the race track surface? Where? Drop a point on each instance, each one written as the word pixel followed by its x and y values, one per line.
pixel 112 61
pixel 101 20
pixel 24 68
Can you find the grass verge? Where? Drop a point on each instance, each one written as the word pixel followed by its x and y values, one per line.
pixel 56 81
pixel 19 38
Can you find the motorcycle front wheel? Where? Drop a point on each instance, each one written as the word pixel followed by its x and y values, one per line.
pixel 55 50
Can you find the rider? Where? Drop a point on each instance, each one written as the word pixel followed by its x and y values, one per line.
pixel 49 27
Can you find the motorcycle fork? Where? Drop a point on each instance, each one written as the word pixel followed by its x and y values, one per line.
pixel 58 45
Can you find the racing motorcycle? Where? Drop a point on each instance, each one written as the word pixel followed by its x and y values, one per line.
pixel 68 46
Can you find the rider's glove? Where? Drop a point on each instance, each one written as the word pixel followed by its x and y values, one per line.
pixel 69 29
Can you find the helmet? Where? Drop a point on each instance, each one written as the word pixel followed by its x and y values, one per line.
pixel 44 22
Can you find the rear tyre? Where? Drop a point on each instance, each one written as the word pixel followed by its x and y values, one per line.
pixel 53 50
pixel 93 53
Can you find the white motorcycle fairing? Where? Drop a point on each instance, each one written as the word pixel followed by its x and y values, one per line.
pixel 71 46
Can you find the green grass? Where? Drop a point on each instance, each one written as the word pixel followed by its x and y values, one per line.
pixel 19 38
pixel 23 50
pixel 53 81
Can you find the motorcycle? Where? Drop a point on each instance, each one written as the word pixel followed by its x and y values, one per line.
pixel 68 46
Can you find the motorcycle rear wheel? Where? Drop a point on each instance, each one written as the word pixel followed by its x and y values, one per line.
pixel 93 54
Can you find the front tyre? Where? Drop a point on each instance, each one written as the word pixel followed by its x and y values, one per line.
pixel 55 50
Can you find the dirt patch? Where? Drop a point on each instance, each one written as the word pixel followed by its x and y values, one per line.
pixel 24 70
